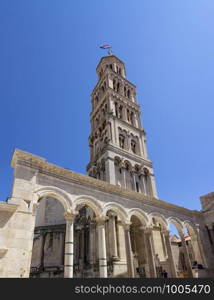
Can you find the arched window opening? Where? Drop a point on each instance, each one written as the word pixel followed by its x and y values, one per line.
pixel 122 141
pixel 125 91
pixel 49 240
pixel 128 115
pixel 114 85
pixel 118 87
pixel 137 187
pixel 116 109
pixel 132 118
pixel 120 115
pixel 133 146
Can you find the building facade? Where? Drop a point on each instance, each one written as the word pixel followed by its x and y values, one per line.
pixel 111 223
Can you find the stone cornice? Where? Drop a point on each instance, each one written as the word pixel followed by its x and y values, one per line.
pixel 25 159
pixel 128 155
pixel 208 212
pixel 128 125
pixel 8 207
pixel 19 154
pixel 110 92
pixel 3 251
pixel 109 56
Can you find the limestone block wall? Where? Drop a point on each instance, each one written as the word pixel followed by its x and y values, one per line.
pixel 17 235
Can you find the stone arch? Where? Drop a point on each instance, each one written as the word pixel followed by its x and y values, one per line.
pixel 162 220
pixel 176 222
pixel 117 208
pixel 141 215
pixel 190 226
pixel 117 160
pixel 55 192
pixel 90 201
pixel 49 228
pixel 128 164
pixel 195 240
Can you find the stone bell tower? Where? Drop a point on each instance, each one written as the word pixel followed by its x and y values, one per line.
pixel 117 142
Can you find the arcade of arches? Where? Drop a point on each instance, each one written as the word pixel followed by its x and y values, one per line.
pixel 83 244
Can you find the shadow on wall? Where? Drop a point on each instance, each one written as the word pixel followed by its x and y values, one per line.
pixel 5 218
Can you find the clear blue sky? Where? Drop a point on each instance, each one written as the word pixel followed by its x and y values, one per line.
pixel 49 52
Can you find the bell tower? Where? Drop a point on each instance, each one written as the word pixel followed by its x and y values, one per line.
pixel 117 142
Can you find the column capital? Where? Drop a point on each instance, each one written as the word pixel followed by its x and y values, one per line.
pixel 126 225
pixel 142 227
pixel 210 226
pixel 112 214
pixel 166 232
pixel 148 229
pixel 101 220
pixel 70 215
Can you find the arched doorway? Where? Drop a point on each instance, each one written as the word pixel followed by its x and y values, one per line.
pixel 139 248
pixel 86 256
pixel 194 248
pixel 115 244
pixel 47 259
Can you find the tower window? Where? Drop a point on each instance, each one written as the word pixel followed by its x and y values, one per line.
pixel 114 85
pixel 128 115
pixel 118 87
pixel 124 91
pixel 132 118
pixel 133 146
pixel 137 186
pixel 128 94
pixel 121 141
pixel 120 112
pixel 116 110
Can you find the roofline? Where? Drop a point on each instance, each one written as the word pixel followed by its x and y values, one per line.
pixel 108 57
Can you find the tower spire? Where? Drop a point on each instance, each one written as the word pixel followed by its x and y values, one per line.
pixel 117 142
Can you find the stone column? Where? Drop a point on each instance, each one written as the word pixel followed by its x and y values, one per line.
pixel 41 254
pixel 110 171
pixel 150 251
pixel 186 255
pixel 69 244
pixel 102 247
pixel 144 250
pixel 134 182
pixel 121 241
pixel 129 254
pixel 211 231
pixel 153 186
pixel 91 243
pixel 200 246
pixel 169 252
pixel 62 245
pixel 123 177
pixel 125 114
pixel 113 236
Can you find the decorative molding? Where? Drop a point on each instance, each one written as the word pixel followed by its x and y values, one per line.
pixel 3 251
pixel 8 207
pixel 25 159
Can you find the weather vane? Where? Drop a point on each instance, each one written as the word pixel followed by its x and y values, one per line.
pixel 106 46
